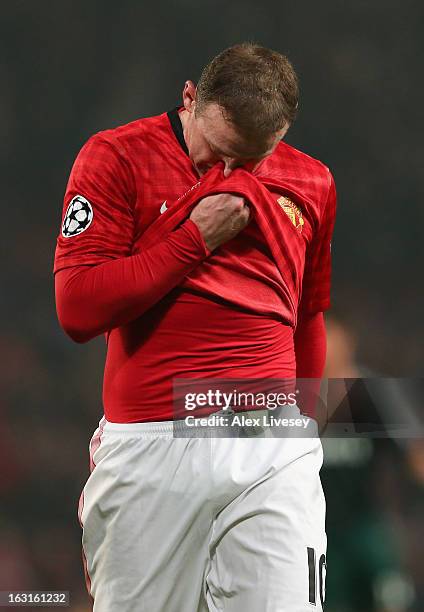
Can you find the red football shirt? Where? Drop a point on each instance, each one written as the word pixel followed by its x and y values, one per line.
pixel 126 176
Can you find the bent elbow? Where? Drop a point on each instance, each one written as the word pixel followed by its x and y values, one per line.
pixel 72 329
pixel 79 314
pixel 71 319
pixel 78 336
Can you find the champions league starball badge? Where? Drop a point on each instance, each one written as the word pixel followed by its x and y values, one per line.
pixel 78 217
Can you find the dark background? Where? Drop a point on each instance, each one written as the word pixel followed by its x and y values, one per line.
pixel 70 68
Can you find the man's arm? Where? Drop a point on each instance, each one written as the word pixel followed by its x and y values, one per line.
pixel 91 300
pixel 310 349
pixel 99 285
pixel 310 345
pixel 310 335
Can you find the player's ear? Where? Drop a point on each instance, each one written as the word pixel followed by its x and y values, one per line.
pixel 189 95
pixel 283 131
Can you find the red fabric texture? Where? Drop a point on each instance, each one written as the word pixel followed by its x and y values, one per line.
pixel 169 308
pixel 91 300
pixel 128 172
pixel 310 342
pixel 286 244
pixel 187 335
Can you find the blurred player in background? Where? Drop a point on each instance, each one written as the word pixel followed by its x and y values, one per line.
pixel 201 523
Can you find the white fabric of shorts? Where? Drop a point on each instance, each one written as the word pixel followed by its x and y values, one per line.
pixel 203 524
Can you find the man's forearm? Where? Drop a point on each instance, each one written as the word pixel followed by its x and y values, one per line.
pixel 310 346
pixel 92 300
pixel 310 349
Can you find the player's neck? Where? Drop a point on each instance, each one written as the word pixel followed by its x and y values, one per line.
pixel 183 115
pixel 183 118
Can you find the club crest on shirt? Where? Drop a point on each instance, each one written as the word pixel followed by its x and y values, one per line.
pixel 292 211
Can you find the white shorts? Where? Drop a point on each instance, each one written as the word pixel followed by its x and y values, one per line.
pixel 203 524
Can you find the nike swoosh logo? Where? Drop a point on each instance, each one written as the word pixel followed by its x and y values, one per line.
pixel 163 208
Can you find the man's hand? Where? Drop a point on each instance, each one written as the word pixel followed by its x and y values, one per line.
pixel 220 217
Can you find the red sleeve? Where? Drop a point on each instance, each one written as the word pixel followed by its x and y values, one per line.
pixel 310 346
pixel 310 349
pixel 97 219
pixel 91 300
pixel 99 285
pixel 316 282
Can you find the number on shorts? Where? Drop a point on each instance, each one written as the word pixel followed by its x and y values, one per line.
pixel 312 567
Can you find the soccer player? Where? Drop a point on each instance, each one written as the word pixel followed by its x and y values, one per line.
pixel 185 524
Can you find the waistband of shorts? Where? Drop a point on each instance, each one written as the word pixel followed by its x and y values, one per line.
pixel 178 428
pixel 153 428
pixel 164 429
